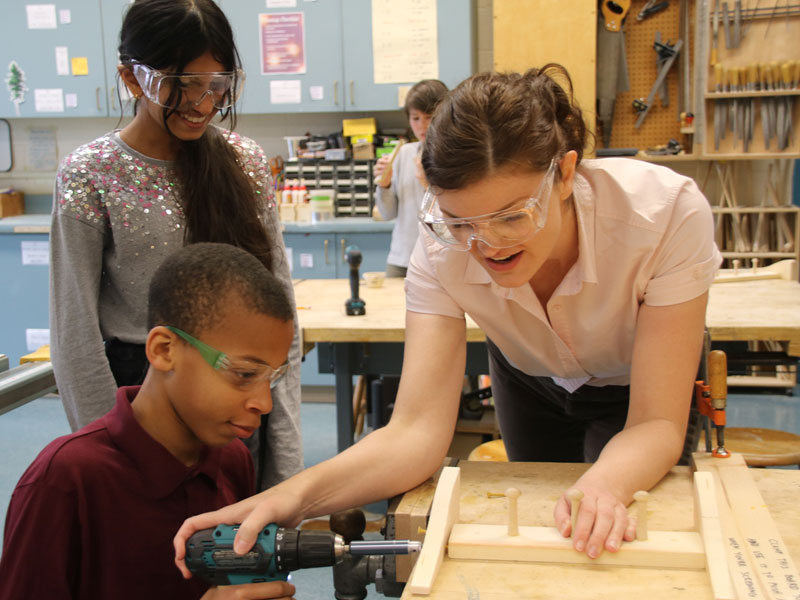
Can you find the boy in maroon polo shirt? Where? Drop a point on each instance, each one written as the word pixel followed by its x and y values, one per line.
pixel 94 516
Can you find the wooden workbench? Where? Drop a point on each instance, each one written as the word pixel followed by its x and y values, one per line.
pixel 737 311
pixel 669 508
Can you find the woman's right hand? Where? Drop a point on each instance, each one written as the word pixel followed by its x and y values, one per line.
pixel 253 513
pixel 272 590
pixel 381 165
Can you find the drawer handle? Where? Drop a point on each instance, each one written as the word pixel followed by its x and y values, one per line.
pixel 97 99
pixel 336 92
pixel 344 259
pixel 352 93
pixel 327 262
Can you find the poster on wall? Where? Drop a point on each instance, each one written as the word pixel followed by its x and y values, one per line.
pixel 407 53
pixel 283 48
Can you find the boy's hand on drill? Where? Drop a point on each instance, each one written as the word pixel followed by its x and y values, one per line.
pixel 253 513
pixel 281 590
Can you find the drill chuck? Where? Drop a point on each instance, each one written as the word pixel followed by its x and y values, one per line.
pixel 307 549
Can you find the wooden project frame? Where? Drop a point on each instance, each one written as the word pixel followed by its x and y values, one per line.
pixel 736 540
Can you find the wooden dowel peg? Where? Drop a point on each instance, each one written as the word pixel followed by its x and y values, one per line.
pixel 575 496
pixel 512 494
pixel 641 514
pixel 736 263
pixel 755 264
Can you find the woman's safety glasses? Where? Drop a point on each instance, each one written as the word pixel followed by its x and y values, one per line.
pixel 502 229
pixel 240 372
pixel 167 89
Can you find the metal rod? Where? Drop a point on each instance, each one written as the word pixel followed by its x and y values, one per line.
pixel 380 547
pixel 24 383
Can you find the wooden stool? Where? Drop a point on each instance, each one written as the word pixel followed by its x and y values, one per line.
pixel 492 451
pixel 764 447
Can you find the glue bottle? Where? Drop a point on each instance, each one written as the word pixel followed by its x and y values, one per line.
pixel 300 192
pixel 286 192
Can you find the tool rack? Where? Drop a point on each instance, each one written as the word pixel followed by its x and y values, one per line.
pixel 736 81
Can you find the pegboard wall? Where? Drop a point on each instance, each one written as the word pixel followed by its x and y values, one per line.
pixel 662 123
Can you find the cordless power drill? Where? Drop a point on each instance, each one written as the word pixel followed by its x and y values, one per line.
pixel 277 552
pixel 354 305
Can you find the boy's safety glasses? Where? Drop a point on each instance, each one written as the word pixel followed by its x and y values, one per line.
pixel 240 372
pixel 165 89
pixel 502 229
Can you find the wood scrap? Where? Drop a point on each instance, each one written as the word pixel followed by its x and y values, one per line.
pixel 444 513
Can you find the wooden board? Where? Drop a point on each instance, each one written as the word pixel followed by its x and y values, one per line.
pixel 763 548
pixel 532 33
pixel 444 513
pixel 709 524
pixel 662 549
pixel 410 520
pixel 541 484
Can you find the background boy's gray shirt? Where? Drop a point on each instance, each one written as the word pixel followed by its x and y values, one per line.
pixel 116 216
pixel 402 201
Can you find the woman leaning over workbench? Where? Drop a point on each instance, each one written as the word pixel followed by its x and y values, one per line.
pixel 590 280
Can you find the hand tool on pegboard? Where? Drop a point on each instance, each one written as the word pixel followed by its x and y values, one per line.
pixel 651 7
pixel 612 64
pixel 786 84
pixel 766 121
pixel 720 106
pixel 714 32
pixel 670 52
pixel 685 104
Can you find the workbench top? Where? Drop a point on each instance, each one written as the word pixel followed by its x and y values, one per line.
pixel 40 223
pixel 737 311
pixel 670 508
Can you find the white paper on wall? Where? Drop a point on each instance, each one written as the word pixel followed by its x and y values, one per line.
pixel 41 16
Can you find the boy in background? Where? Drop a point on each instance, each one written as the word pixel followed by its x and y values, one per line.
pixel 94 515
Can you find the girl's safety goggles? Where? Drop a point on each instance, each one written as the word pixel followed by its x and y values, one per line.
pixel 240 372
pixel 164 89
pixel 502 229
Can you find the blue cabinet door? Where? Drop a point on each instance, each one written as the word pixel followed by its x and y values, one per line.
pixel 313 255
pixel 374 250
pixel 116 93
pixel 71 30
pixel 454 20
pixel 318 88
pixel 24 301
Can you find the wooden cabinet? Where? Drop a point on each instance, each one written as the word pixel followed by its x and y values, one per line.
pixel 338 52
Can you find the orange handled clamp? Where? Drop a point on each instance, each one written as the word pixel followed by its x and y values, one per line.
pixel 712 398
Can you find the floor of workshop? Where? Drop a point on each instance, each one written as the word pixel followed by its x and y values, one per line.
pixel 26 430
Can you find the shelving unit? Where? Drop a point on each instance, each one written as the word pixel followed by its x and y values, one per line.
pixel 352 181
pixel 752 81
